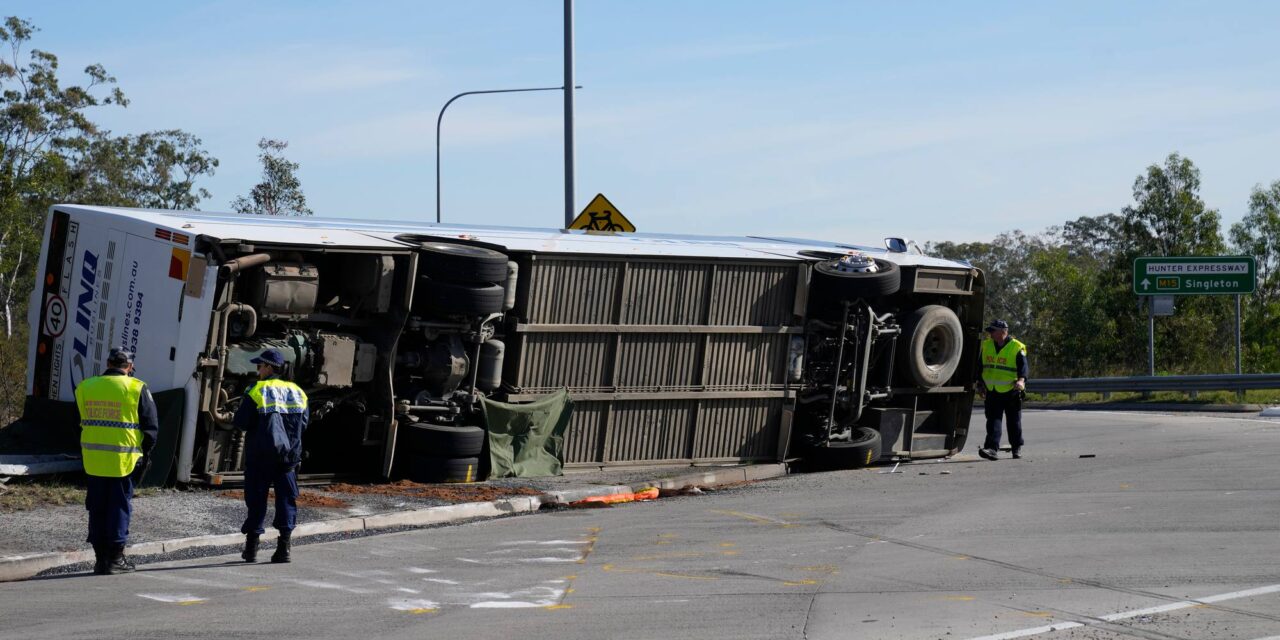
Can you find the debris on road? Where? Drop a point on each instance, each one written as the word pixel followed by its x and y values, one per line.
pixel 305 499
pixel 1088 455
pixel 691 490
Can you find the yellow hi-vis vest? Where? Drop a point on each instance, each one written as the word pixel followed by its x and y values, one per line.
pixel 110 437
pixel 1000 367
pixel 278 396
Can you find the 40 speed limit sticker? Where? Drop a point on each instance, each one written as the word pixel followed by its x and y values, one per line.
pixel 55 316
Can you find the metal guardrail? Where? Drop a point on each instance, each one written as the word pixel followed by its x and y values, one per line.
pixel 1186 384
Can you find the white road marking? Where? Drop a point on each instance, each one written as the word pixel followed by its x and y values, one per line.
pixel 402 604
pixel 515 543
pixel 420 569
pixel 1034 631
pixel 441 581
pixel 523 599
pixel 171 597
pixel 1125 615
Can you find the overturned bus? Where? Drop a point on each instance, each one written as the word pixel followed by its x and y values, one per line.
pixel 674 349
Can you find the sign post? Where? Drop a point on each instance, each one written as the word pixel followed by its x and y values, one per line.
pixel 1192 276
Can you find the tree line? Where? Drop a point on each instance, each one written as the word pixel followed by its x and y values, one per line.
pixel 1068 291
pixel 53 151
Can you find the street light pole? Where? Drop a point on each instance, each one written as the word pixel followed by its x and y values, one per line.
pixel 440 119
pixel 569 160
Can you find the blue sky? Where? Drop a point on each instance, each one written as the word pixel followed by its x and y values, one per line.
pixel 841 120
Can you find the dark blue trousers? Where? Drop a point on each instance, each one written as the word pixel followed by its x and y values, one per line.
pixel 1003 406
pixel 108 502
pixel 256 485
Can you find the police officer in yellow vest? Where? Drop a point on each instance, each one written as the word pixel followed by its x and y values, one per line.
pixel 274 412
pixel 1004 379
pixel 118 428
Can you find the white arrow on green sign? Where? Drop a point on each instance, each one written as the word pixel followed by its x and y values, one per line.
pixel 1194 275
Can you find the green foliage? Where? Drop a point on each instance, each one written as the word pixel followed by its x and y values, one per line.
pixel 1068 292
pixel 1258 235
pixel 280 192
pixel 1168 217
pixel 51 151
pixel 1006 263
pixel 156 170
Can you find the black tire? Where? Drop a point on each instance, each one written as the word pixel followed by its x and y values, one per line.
pixel 461 298
pixel 861 451
pixel 931 346
pixel 462 263
pixel 445 441
pixel 433 469
pixel 828 281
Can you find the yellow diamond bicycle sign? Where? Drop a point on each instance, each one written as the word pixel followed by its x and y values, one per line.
pixel 601 215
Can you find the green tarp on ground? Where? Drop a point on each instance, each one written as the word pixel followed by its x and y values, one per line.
pixel 527 440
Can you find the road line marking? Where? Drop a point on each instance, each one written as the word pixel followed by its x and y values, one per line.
pixel 182 598
pixel 1035 631
pixel 413 606
pixel 1125 615
pixel 1247 593
pixel 256 588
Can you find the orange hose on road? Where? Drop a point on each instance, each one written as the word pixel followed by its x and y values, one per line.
pixel 598 501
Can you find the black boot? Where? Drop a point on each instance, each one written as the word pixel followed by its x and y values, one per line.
pixel 250 553
pixel 119 563
pixel 101 556
pixel 282 548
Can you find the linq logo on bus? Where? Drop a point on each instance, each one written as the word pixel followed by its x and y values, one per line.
pixel 84 316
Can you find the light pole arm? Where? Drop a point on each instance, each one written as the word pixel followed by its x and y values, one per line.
pixel 440 119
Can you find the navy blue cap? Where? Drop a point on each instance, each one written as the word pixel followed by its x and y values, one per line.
pixel 998 324
pixel 271 357
pixel 119 357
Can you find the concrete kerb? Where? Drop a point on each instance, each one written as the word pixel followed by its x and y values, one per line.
pixel 22 567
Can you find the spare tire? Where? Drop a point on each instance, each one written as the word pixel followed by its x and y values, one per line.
pixel 461 298
pixel 831 281
pixel 933 342
pixel 445 441
pixel 462 263
pixel 859 452
pixel 433 469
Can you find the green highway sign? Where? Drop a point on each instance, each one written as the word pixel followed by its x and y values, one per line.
pixel 1198 275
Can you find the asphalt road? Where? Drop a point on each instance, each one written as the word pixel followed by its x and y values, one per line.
pixel 1172 530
